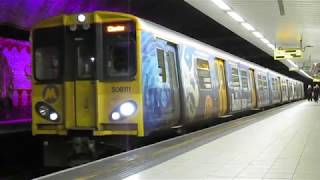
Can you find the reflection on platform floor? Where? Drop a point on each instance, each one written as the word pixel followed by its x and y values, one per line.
pixel 285 145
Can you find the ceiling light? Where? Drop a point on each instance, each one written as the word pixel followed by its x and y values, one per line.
pixel 257 34
pixel 265 40
pixel 235 16
pixel 247 26
pixel 271 46
pixel 221 5
pixel 305 74
pixel 81 18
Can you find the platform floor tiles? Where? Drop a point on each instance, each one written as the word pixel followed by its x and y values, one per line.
pixel 285 145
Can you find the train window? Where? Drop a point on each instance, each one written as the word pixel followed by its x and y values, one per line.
pixel 244 80
pixel 48 54
pixel 259 82
pixel 235 77
pixel 120 53
pixel 86 61
pixel 204 74
pixel 274 84
pixel 161 65
pixel 47 63
pixel 278 84
pixel 171 59
pixel 264 82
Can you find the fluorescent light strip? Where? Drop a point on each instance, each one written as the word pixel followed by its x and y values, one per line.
pixel 247 26
pixel 222 5
pixel 271 46
pixel 305 74
pixel 235 16
pixel 265 40
pixel 292 63
pixel 257 34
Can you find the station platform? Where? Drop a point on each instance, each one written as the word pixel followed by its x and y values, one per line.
pixel 279 143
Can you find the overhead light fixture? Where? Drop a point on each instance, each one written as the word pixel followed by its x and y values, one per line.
pixel 247 26
pixel 271 46
pixel 235 16
pixel 292 63
pixel 257 34
pixel 265 40
pixel 81 18
pixel 222 5
pixel 302 71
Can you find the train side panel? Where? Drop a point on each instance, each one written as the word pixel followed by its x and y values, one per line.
pixel 160 85
pixel 197 87
pixel 199 92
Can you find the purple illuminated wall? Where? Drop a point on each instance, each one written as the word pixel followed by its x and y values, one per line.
pixel 25 13
pixel 15 79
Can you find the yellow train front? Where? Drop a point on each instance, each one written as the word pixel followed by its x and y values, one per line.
pixel 86 81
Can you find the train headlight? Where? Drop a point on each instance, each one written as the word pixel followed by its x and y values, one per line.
pixel 81 18
pixel 43 110
pixel 123 110
pixel 128 108
pixel 53 116
pixel 115 116
pixel 46 111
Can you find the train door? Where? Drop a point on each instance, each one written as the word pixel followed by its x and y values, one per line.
pixel 82 53
pixel 223 100
pixel 171 61
pixel 254 89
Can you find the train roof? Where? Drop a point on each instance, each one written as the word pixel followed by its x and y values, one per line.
pixel 175 37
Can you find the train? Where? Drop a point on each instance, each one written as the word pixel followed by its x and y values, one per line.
pixel 103 75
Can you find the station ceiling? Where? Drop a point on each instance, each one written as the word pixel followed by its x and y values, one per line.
pixel 283 23
pixel 174 14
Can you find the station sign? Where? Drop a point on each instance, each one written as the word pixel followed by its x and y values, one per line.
pixel 288 53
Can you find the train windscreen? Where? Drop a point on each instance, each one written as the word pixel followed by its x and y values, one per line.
pixel 119 47
pixel 48 54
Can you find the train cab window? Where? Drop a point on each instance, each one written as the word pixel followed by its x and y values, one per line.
pixel 161 65
pixel 119 51
pixel 47 63
pixel 204 74
pixel 47 54
pixel 235 78
pixel 244 79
